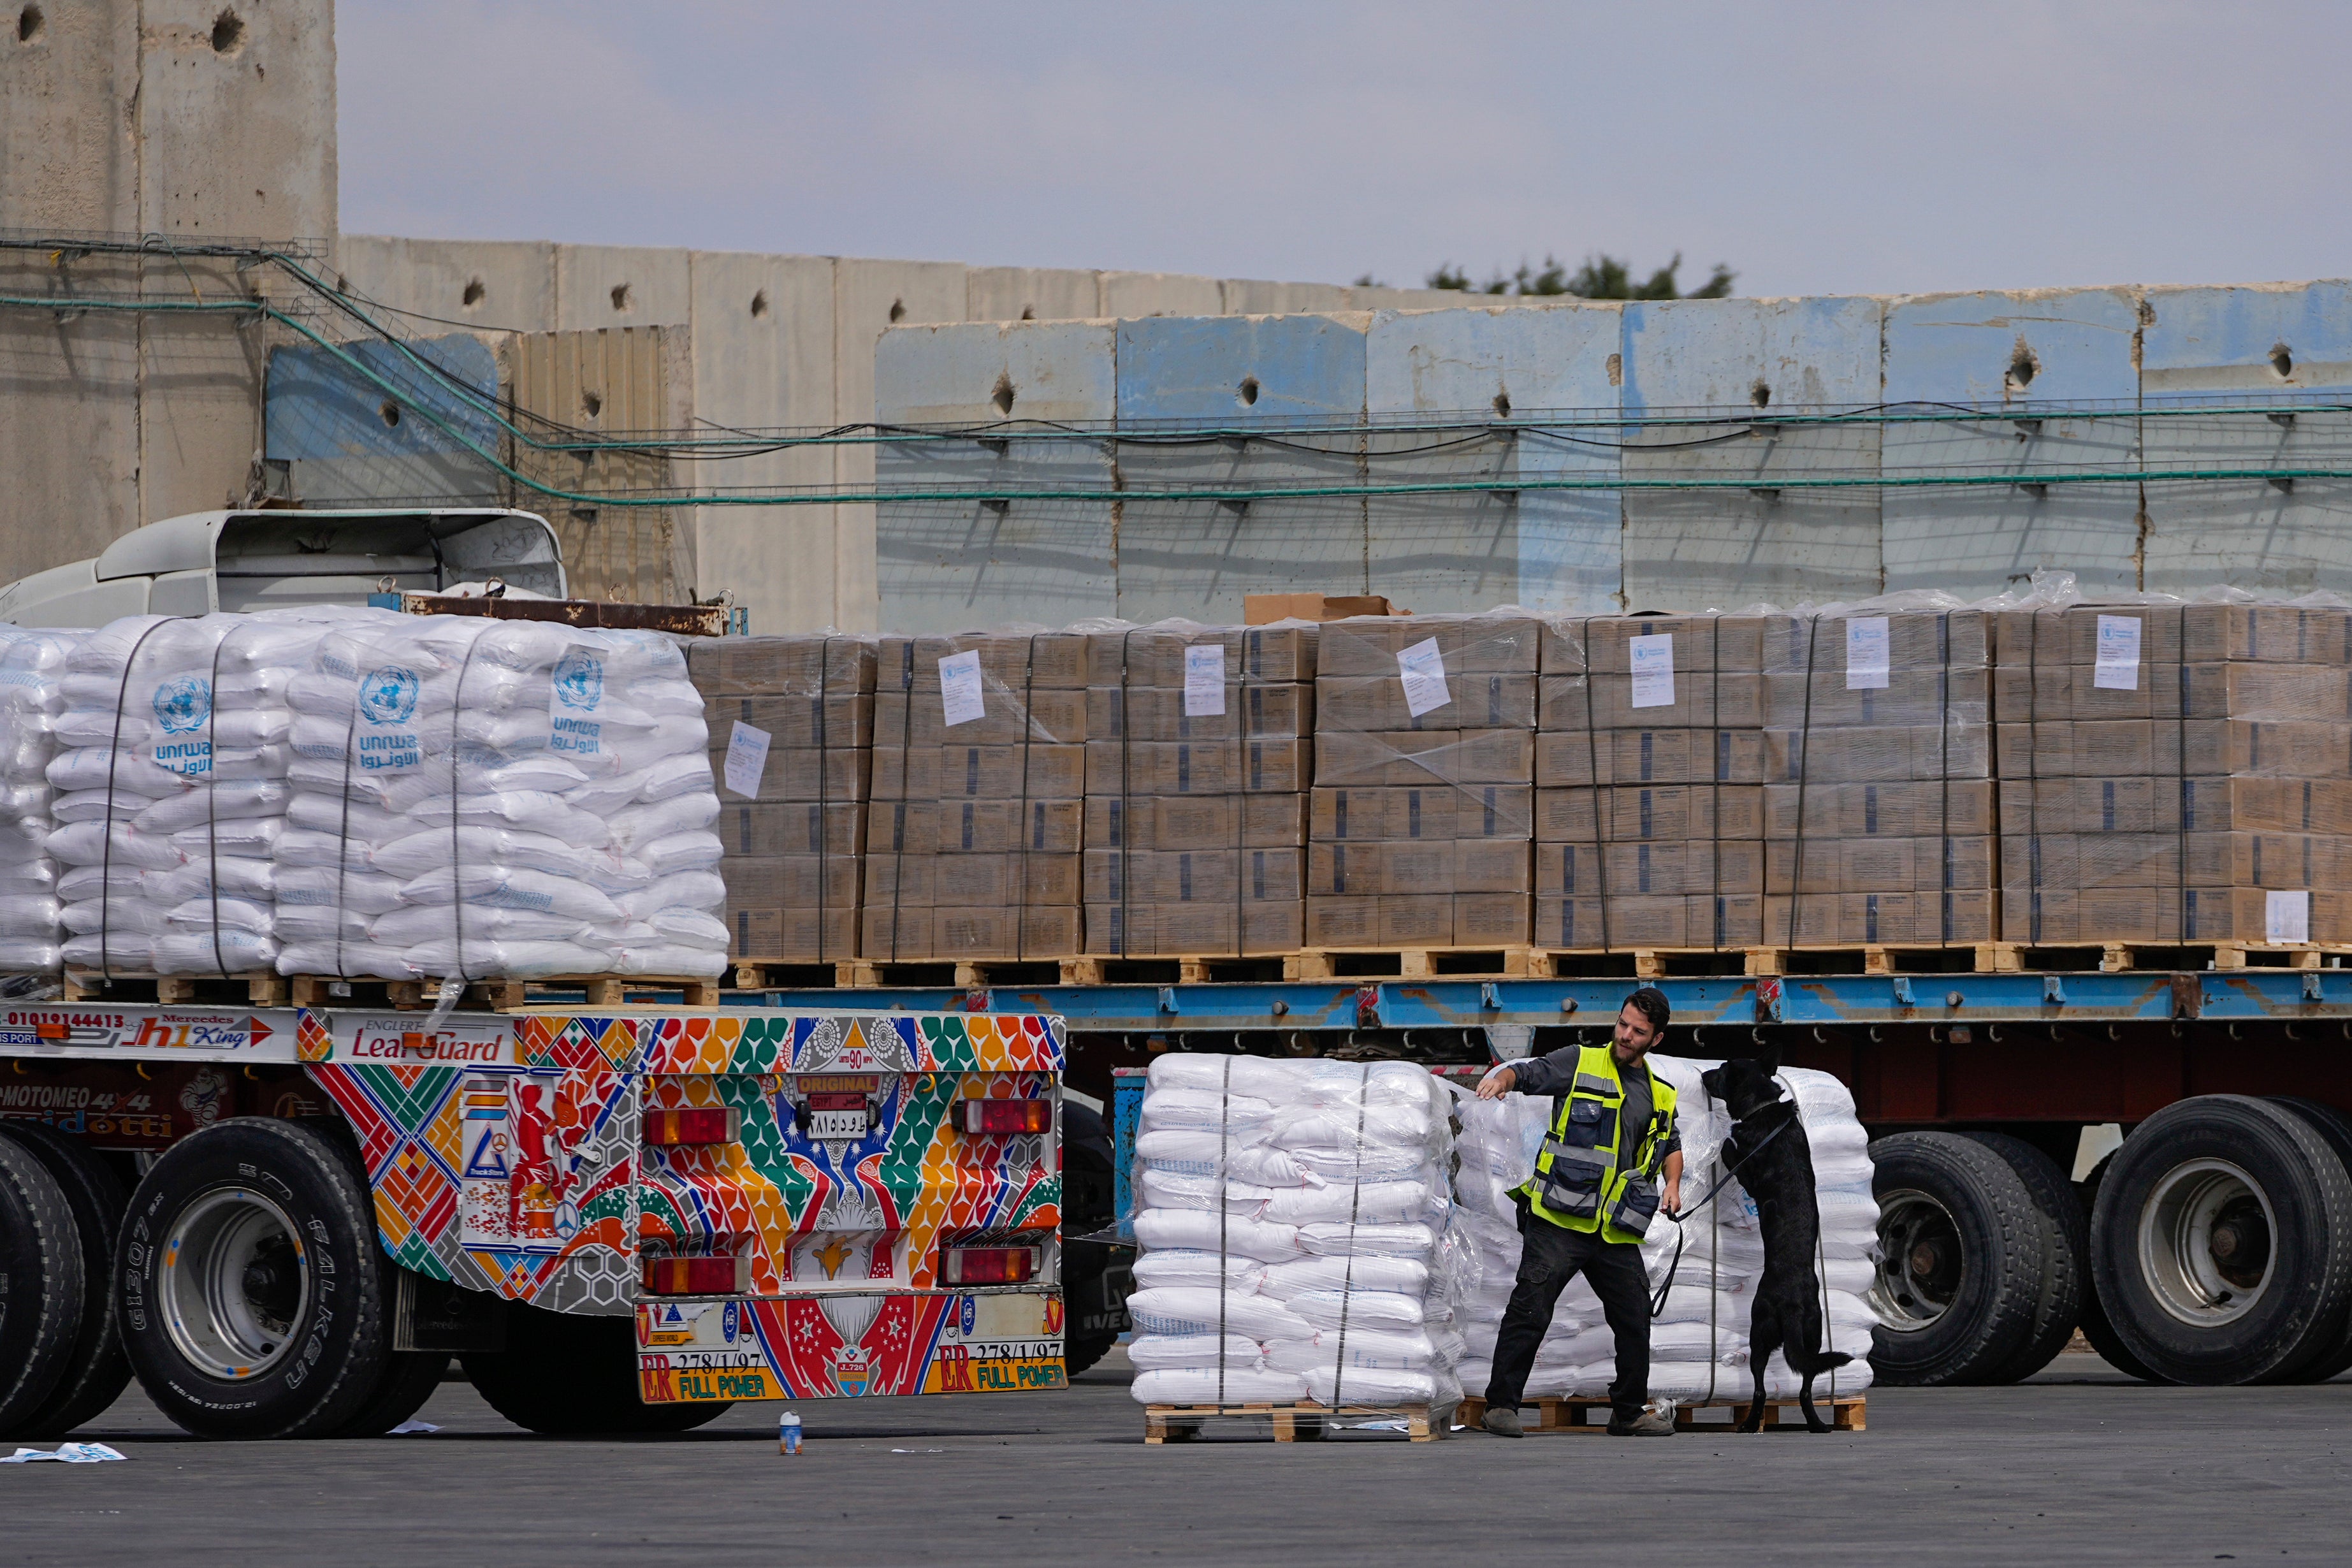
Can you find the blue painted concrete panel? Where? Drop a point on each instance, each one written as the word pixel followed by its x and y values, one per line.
pixel 1193 368
pixel 349 438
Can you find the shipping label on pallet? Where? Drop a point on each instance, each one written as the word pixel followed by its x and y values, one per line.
pixel 179 1034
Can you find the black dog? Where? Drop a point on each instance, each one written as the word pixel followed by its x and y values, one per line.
pixel 1775 1163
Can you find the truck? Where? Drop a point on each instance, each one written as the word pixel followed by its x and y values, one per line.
pixel 284 1221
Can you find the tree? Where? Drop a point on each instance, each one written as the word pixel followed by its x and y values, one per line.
pixel 1602 277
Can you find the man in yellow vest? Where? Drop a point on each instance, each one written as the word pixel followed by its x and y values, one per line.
pixel 1596 1186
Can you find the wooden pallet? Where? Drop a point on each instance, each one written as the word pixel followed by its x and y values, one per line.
pixel 257 988
pixel 1846 1412
pixel 1412 962
pixel 403 995
pixel 1869 958
pixel 965 974
pixel 792 974
pixel 1305 1420
pixel 612 990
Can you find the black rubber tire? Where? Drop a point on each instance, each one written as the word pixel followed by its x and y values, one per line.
pixel 408 1380
pixel 2000 1235
pixel 2065 1255
pixel 344 1334
pixel 98 1370
pixel 2334 1129
pixel 566 1374
pixel 41 1291
pixel 2302 1315
pixel 2095 1324
pixel 1088 1209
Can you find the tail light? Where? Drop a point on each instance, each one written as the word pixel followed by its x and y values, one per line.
pixel 988 1264
pixel 707 1124
pixel 1004 1116
pixel 697 1275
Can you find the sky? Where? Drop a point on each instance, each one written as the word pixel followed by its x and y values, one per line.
pixel 1816 148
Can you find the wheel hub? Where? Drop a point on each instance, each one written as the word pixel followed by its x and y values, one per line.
pixel 2205 1242
pixel 235 1283
pixel 1921 1266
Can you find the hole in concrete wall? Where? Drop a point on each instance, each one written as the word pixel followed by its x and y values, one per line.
pixel 591 404
pixel 1760 394
pixel 1028 312
pixel 898 310
pixel 29 22
pixel 228 32
pixel 389 412
pixel 2281 361
pixel 1002 396
pixel 474 293
pixel 2023 366
pixel 622 297
pixel 1616 370
pixel 1503 403
pixel 342 284
pixel 1248 390
pixel 760 306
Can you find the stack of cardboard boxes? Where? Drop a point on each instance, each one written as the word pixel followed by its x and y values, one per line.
pixel 1199 756
pixel 1421 824
pixel 791 735
pixel 2175 774
pixel 978 798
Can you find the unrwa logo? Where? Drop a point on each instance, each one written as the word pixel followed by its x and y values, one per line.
pixel 183 704
pixel 388 696
pixel 578 681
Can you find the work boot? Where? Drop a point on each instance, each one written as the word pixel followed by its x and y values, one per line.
pixel 1652 1422
pixel 1503 1423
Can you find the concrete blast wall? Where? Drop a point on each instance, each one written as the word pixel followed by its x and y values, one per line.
pixel 1723 368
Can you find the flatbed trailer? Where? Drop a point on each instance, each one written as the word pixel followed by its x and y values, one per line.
pixel 620 1218
pixel 2157 1156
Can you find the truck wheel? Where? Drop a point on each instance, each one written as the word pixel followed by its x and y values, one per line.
pixel 2335 1129
pixel 249 1289
pixel 2097 1326
pixel 565 1375
pixel 1086 1339
pixel 1956 1288
pixel 97 1372
pixel 409 1379
pixel 2065 1255
pixel 41 1293
pixel 2221 1245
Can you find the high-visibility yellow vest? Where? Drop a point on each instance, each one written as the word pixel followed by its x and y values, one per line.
pixel 1581 1181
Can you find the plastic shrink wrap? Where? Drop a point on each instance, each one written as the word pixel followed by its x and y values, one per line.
pixel 32 700
pixel 1298 1237
pixel 1698 1344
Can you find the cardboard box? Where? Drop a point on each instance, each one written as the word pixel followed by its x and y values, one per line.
pixel 792 935
pixel 802 666
pixel 1652 756
pixel 1154 877
pixel 1495 700
pixel 800 773
pixel 1487 644
pixel 1151 713
pixel 1133 768
pixel 1406 760
pixel 1197 822
pixel 1041 717
pixel 973 826
pixel 1438 811
pixel 1194 931
pixel 783 881
pixel 841 719
pixel 790 827
pixel 1352 921
pixel 1265 609
pixel 1930 808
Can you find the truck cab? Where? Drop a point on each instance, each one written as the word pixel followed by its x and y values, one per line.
pixel 256 560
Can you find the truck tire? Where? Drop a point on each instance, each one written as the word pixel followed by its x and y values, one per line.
pixel 409 1378
pixel 2097 1326
pixel 2065 1255
pixel 2335 1129
pixel 1957 1291
pixel 567 1375
pixel 1089 1325
pixel 2221 1245
pixel 249 1289
pixel 41 1291
pixel 97 1372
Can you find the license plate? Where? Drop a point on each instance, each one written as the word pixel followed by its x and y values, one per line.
pixel 837 1123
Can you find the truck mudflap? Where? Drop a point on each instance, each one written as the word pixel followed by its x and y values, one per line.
pixel 849 1346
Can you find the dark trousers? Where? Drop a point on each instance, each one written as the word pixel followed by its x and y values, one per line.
pixel 1552 1257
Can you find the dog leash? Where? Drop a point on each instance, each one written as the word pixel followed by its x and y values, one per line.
pixel 1682 1239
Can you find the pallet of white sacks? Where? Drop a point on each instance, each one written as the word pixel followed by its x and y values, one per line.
pixel 1846 1413
pixel 1302 1421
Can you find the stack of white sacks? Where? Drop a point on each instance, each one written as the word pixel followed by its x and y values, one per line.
pixel 32 697
pixel 511 799
pixel 1295 1222
pixel 338 791
pixel 1698 1345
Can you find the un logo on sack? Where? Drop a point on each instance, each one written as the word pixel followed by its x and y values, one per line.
pixel 388 696
pixel 183 704
pixel 578 681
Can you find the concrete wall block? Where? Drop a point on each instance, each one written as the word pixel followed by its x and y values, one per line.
pixel 2257 347
pixel 984 372
pixel 869 298
pixel 1198 559
pixel 1126 295
pixel 2010 351
pixel 200 394
pixel 948 566
pixel 236 111
pixel 1719 353
pixel 68 416
pixel 1031 293
pixel 1256 297
pixel 601 286
pixel 1243 370
pixel 396 433
pixel 492 285
pixel 68 159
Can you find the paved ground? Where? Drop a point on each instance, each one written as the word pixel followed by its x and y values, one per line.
pixel 2080 1466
